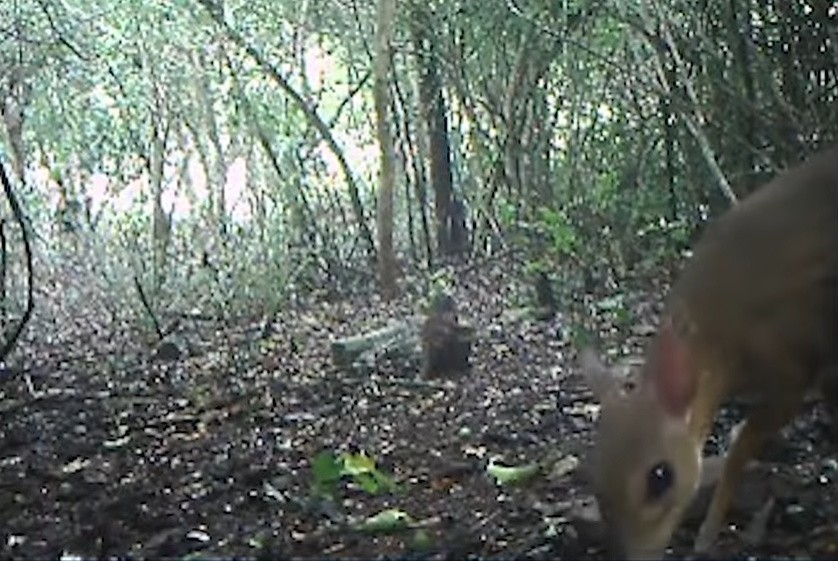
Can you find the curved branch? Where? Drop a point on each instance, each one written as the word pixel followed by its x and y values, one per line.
pixel 30 300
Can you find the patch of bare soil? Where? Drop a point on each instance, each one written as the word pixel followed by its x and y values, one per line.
pixel 111 453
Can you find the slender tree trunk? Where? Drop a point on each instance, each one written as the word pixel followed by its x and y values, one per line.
pixel 386 179
pixel 434 113
pixel 12 107
pixel 420 172
pixel 160 225
pixel 219 163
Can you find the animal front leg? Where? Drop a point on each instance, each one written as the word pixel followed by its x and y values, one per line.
pixel 761 424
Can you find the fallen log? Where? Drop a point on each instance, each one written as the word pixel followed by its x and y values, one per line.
pixel 397 339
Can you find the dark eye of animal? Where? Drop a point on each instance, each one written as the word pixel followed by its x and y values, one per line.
pixel 659 480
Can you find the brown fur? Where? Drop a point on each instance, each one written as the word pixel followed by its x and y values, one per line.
pixel 755 312
pixel 446 345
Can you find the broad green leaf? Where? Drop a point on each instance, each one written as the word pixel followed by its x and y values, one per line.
pixel 363 471
pixel 326 467
pixel 367 482
pixel 326 472
pixel 354 464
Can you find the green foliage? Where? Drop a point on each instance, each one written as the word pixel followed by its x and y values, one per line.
pixel 508 213
pixel 328 470
pixel 613 187
pixel 537 266
pixel 560 231
pixel 361 469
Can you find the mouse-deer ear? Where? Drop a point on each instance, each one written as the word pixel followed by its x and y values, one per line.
pixel 674 380
pixel 599 377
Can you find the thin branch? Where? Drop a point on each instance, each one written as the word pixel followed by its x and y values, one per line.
pixel 30 277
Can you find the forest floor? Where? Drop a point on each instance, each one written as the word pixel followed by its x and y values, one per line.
pixel 111 453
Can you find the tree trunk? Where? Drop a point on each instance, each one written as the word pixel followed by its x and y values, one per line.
pixel 217 169
pixel 434 114
pixel 13 101
pixel 386 179
pixel 160 226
